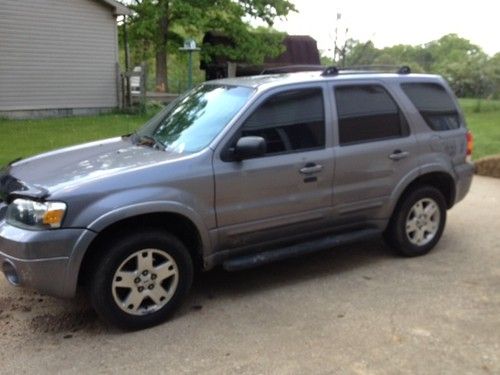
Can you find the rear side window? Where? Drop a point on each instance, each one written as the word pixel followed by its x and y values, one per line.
pixel 291 121
pixel 367 113
pixel 434 104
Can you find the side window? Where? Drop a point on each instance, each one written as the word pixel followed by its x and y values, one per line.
pixel 290 121
pixel 367 113
pixel 434 104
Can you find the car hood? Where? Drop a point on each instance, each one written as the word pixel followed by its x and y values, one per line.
pixel 76 165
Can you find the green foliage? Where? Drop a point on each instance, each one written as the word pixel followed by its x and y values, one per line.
pixel 467 68
pixel 266 10
pixel 326 61
pixel 160 27
pixel 358 54
pixel 251 46
pixel 462 64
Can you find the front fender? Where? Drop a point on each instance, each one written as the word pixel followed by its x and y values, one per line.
pixel 80 249
pixel 137 209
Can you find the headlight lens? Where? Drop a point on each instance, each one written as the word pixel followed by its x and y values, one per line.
pixel 30 214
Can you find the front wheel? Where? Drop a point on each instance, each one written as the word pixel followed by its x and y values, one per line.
pixel 418 222
pixel 141 279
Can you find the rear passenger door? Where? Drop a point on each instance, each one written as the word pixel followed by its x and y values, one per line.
pixel 374 150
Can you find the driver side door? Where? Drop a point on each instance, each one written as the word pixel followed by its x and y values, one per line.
pixel 288 190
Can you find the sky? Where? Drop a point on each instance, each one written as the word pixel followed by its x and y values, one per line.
pixel 388 22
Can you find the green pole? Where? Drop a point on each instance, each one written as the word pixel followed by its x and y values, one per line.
pixel 190 73
pixel 190 47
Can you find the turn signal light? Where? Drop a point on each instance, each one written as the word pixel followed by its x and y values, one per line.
pixel 470 142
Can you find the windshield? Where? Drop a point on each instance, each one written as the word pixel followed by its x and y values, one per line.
pixel 193 121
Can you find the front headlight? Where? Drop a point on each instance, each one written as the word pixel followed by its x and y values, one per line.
pixel 30 214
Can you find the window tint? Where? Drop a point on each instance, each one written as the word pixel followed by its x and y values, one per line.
pixel 434 104
pixel 367 113
pixel 289 121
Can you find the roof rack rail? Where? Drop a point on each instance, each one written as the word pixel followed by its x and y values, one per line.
pixel 292 69
pixel 360 69
pixel 405 69
pixel 330 71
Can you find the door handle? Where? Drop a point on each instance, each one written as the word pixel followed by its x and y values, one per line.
pixel 398 155
pixel 311 168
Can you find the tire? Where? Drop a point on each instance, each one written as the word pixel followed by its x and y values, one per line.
pixel 413 230
pixel 140 280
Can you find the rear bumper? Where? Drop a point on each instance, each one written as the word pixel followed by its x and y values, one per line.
pixel 464 174
pixel 47 261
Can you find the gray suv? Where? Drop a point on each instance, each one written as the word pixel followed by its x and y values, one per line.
pixel 238 173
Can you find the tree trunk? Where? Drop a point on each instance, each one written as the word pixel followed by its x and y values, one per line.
pixel 161 70
pixel 161 49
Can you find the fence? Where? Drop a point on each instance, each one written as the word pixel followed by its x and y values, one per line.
pixel 133 87
pixel 134 91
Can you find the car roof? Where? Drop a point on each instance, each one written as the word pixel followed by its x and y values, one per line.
pixel 276 80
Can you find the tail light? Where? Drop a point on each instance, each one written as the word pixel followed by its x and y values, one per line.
pixel 470 143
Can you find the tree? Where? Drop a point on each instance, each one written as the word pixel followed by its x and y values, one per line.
pixel 493 71
pixel 470 71
pixel 161 25
pixel 463 64
pixel 357 53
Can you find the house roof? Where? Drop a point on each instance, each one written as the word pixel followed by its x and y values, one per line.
pixel 119 8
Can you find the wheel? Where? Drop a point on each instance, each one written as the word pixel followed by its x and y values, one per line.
pixel 418 222
pixel 141 279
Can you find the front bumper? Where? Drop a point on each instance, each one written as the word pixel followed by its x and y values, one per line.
pixel 47 261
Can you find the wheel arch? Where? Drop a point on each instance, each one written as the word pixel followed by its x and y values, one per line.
pixel 437 178
pixel 184 225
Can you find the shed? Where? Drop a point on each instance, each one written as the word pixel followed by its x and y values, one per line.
pixel 300 53
pixel 58 57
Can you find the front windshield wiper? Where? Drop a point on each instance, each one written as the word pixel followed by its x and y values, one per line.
pixel 148 140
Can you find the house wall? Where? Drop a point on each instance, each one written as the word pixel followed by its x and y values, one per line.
pixel 57 57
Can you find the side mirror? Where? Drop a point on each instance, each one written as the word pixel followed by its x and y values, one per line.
pixel 249 147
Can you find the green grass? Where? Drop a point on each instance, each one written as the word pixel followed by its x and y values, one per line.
pixel 470 105
pixel 483 119
pixel 22 138
pixel 486 130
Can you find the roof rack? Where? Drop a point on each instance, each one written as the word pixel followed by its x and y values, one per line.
pixel 361 69
pixel 292 69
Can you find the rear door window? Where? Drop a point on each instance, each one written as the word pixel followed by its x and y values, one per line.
pixel 367 113
pixel 434 104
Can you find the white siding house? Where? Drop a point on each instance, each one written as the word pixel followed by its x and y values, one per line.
pixel 58 57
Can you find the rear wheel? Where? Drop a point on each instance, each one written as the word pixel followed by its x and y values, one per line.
pixel 141 279
pixel 418 222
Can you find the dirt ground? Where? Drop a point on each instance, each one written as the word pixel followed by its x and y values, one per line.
pixel 353 310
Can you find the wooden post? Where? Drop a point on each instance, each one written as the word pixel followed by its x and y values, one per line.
pixel 119 86
pixel 144 85
pixel 128 92
pixel 123 90
pixel 231 69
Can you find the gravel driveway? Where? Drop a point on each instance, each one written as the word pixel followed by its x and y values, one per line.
pixel 354 310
